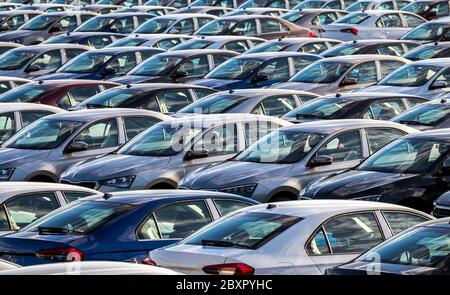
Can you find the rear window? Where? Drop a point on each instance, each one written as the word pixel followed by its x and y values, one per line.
pixel 354 18
pixel 249 230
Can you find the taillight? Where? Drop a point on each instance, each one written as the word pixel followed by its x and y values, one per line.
pixel 66 254
pixel 311 34
pixel 351 30
pixel 148 261
pixel 239 269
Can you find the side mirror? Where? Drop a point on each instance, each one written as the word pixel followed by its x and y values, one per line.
pixel 33 68
pixel 349 81
pixel 260 77
pixel 178 75
pixel 191 155
pixel 76 146
pixel 320 161
pixel 109 72
pixel 55 28
pixel 438 85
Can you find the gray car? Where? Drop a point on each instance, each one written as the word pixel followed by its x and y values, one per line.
pixel 302 45
pixel 161 156
pixel 44 149
pixel 238 44
pixel 374 46
pixel 427 116
pixel 8 83
pixel 313 19
pixel 183 23
pixel 344 73
pixel 163 41
pixel 278 166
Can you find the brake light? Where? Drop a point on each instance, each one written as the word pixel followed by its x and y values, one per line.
pixel 148 261
pixel 67 254
pixel 350 30
pixel 239 269
pixel 311 34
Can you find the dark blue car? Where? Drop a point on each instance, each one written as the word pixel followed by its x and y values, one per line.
pixel 256 70
pixel 119 226
pixel 103 63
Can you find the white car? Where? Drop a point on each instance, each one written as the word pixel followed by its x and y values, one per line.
pixel 296 237
pixel 6 265
pixel 372 24
pixel 364 5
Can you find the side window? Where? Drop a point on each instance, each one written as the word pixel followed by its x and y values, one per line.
pixel 412 20
pixel 400 221
pixel 167 43
pixel 445 76
pixel 324 18
pixel 146 54
pixel 414 101
pixel 174 100
pixel 4 224
pixel 100 135
pixel 333 5
pixel 388 66
pixel 123 63
pixel 228 206
pixel 220 59
pixel 379 137
pixel 4 86
pixel 343 147
pixel 353 233
pixel 124 25
pixel 221 140
pixel 318 245
pixel 149 230
pixel 142 19
pixel 72 52
pixel 257 129
pixel 29 117
pixel 73 196
pixel 390 49
pixel 277 70
pixel 301 62
pixel 23 210
pixel 86 17
pixel 364 73
pixel 13 22
pixel 440 9
pixel 244 28
pixel 50 60
pixel 386 6
pixel 185 26
pixel 178 220
pixel 135 125
pixel 66 102
pixel 196 66
pixel 313 48
pixel 66 24
pixel 385 109
pixel 401 4
pixel 278 105
pixel 269 26
pixel 203 21
pixel 200 93
pixel 238 46
pixel 98 42
pixel 7 126
pixel 80 94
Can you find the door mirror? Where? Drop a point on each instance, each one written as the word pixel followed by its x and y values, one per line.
pixel 438 85
pixel 260 77
pixel 179 74
pixel 33 68
pixel 76 146
pixel 55 28
pixel 349 81
pixel 191 155
pixel 320 161
pixel 109 72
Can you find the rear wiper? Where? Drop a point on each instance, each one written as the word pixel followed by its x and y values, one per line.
pixel 413 122
pixel 57 230
pixel 308 116
pixel 223 244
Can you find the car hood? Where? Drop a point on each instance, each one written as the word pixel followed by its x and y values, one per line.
pixel 60 76
pixel 16 157
pixel 311 87
pixel 130 79
pixel 16 34
pixel 390 89
pixel 219 84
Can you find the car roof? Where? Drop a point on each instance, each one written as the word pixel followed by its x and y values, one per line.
pixel 369 95
pixel 47 47
pixel 318 10
pixel 66 82
pixel 377 12
pixel 71 12
pixel 445 61
pixel 157 36
pixel 357 58
pixel 159 86
pixel 295 40
pixel 119 50
pixel 179 16
pixel 272 55
pixel 246 17
pixel 19 12
pixel 24 106
pixel 378 41
pixel 123 14
pixel 87 115
pixel 262 93
pixel 227 38
pixel 87 34
pixel 438 134
pixel 10 44
pixel 193 52
pixel 5 78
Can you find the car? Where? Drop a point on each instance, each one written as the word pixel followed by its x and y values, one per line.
pixel 144 220
pixel 12 20
pixel 213 10
pixel 256 70
pixel 441 207
pixel 420 250
pixel 411 171
pixel 126 3
pixel 269 102
pixel 318 4
pixel 15 116
pixel 46 25
pixel 262 26
pixel 95 40
pixel 298 237
pixel 372 24
pixel 170 3
pixel 219 3
pixel 176 66
pixel 428 9
pixel 285 4
pixel 432 31
pixel 25 202
pixel 371 46
pixel 46 7
pixel 156 10
pixel 5 46
pixel 102 64
pixel 239 44
pixel 427 116
pixel 344 73
pixel 100 8
pixel 162 41
pixel 360 105
pixel 183 23
pixel 426 78
pixel 258 10
pixel 122 23
pixel 37 60
pixel 302 45
pixel 6 265
pixel 61 93
pixel 8 6
pixel 158 97
pixel 43 150
pixel 427 51
pixel 313 19
pixel 8 83
pixel 364 5
pixel 161 156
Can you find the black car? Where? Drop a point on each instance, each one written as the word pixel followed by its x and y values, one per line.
pixel 421 250
pixel 412 171
pixel 386 47
pixel 431 115
pixel 441 207
pixel 427 51
pixel 96 40
pixel 378 106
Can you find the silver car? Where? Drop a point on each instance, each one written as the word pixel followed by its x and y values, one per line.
pixel 364 5
pixel 278 166
pixel 238 44
pixel 163 41
pixel 314 19
pixel 302 45
pixel 160 157
pixel 44 149
pixel 8 83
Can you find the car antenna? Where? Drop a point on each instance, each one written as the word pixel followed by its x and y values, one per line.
pixel 137 35
pixel 443 100
pixel 68 33
pixel 354 41
pixel 41 82
pixel 271 206
pixel 338 95
pixel 107 196
pixel 230 91
pixel 436 43
pixel 128 86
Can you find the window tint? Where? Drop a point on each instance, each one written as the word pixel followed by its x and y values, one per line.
pixel 227 206
pixel 389 21
pixel 124 25
pixel 71 53
pixel 178 220
pixel 221 140
pixel 364 73
pixel 390 49
pixel 333 5
pixel 385 109
pixel 324 19
pixel 73 196
pixel 7 126
pixel 29 117
pixel 412 20
pixel 245 28
pixel 313 48
pixel 197 66
pixel 50 60
pixel 203 21
pixel 440 9
pixel 414 101
pixel 123 63
pixel 13 22
pixel 80 94
pixel 278 105
pixel 4 224
pixel 399 221
pixel 185 26
pixel 379 137
pixel 167 43
pixel 353 233
pixel 343 147
pixel 318 245
pixel 300 63
pixel 388 66
pixel 262 128
pixel 25 209
pixel 277 70
pixel 238 46
pixel 100 135
pixel 200 93
pixel 220 59
pixel 4 86
pixel 269 26
pixel 174 100
pixel 386 6
pixel 149 230
pixel 98 42
pixel 135 125
pixel 67 24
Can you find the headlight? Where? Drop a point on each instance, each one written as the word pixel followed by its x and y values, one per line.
pixel 121 182
pixel 243 190
pixel 5 174
pixel 372 198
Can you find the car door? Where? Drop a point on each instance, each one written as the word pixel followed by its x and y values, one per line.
pixel 360 76
pixel 275 106
pixel 440 84
pixel 388 26
pixel 45 63
pixel 245 28
pixel 385 109
pixel 192 68
pixel 271 29
pixel 378 137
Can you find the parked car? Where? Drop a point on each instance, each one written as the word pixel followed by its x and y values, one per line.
pixel 344 73
pixel 256 70
pixel 302 237
pixel 411 171
pixel 213 10
pixel 262 26
pixel 433 31
pixel 318 4
pixel 421 250
pixel 5 46
pixel 122 23
pixel 270 102
pixel 427 51
pixel 8 83
pixel 12 20
pixel 313 19
pixel 374 46
pixel 158 97
pixel 258 11
pixel 8 6
pixel 441 207
pixel 46 25
pixel 143 221
pixel 427 116
pixel 183 23
pixel 102 64
pixel 364 5
pixel 302 45
pixel 6 265
pixel 161 156
pixel 360 105
pixel 176 66
pixel 162 41
pixel 239 44
pixel 95 40
pixel 372 24
pixel 100 8
pixel 151 9
pixel 61 93
pixel 428 9
pixel 25 202
pixel 46 7
pixel 286 4
pixel 170 3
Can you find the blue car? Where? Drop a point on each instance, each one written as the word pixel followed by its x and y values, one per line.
pixel 256 70
pixel 118 226
pixel 103 63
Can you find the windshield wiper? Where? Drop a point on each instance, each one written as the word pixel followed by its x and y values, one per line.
pixel 57 230
pixel 308 116
pixel 414 122
pixel 218 243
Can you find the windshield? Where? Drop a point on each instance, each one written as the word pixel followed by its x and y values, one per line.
pixel 294 16
pixel 270 46
pixel 425 52
pixel 358 6
pixel 341 50
pixel 25 93
pixel 214 104
pixel 157 66
pixel 155 26
pixel 281 147
pixel 86 63
pixel 40 22
pixel 244 230
pixel 411 75
pixel 162 140
pixel 321 72
pixel 43 134
pixel 310 4
pixel 425 114
pixel 427 31
pixel 15 59
pixel 111 98
pixel 192 44
pixel 354 18
pixel 325 108
pixel 96 24
pixel 417 7
pixel 235 69
pixel 408 156
pixel 216 27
